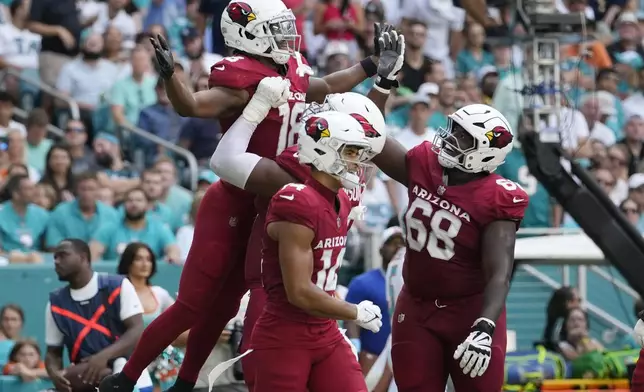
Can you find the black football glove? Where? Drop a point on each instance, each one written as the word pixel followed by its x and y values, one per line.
pixel 379 30
pixel 163 56
pixel 392 57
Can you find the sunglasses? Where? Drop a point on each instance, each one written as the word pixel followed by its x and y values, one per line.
pixel 75 129
pixel 630 211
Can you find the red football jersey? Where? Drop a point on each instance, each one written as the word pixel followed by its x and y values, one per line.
pixel 311 205
pixel 445 226
pixel 288 161
pixel 276 132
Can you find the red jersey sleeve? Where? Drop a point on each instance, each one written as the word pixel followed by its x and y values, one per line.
pixel 293 203
pixel 289 161
pixel 510 201
pixel 236 72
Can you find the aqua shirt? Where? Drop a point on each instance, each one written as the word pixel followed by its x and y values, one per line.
pixel 134 96
pixel 116 236
pixel 36 155
pixel 23 233
pixel 466 63
pixel 437 120
pixel 179 201
pixel 67 221
pixel 539 208
pixel 160 211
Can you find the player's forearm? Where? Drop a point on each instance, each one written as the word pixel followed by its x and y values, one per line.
pixel 494 296
pixel 183 101
pixel 340 82
pixel 53 361
pixel 320 304
pixel 230 161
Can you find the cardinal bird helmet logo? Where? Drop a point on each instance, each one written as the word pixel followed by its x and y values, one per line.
pixel 499 137
pixel 317 128
pixel 368 129
pixel 241 13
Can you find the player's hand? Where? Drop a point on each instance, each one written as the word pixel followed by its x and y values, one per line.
pixel 61 383
pixel 96 364
pixel 392 58
pixel 369 316
pixel 638 332
pixel 475 352
pixel 271 92
pixel 378 31
pixel 164 57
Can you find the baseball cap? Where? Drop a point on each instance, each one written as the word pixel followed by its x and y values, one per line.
pixel 636 180
pixel 606 102
pixel 107 137
pixel 428 89
pixel 419 98
pixel 485 71
pixel 189 33
pixel 627 17
pixel 390 232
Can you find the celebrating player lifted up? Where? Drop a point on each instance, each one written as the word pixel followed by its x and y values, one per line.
pixel 262 33
pixel 461 228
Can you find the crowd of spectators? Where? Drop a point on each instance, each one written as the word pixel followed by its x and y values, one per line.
pixel 109 186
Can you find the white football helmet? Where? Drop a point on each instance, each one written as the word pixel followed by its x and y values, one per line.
pixel 261 27
pixel 478 138
pixel 362 109
pixel 322 141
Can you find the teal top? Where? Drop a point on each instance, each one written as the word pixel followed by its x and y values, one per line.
pixel 116 236
pixel 67 221
pixel 23 233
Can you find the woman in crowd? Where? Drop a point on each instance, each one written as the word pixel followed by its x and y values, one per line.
pixel 58 172
pixel 562 300
pixel 12 319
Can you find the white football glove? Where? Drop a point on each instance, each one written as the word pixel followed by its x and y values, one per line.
pixel 369 316
pixel 638 332
pixel 475 352
pixel 271 92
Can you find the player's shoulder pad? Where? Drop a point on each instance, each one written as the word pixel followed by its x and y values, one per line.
pixel 237 72
pixel 294 203
pixel 510 198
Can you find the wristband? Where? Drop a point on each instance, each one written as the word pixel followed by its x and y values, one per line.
pixel 369 67
pixel 356 343
pixel 484 325
pixel 386 84
pixel 381 90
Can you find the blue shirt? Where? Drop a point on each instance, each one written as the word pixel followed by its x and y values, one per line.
pixel 370 286
pixel 134 96
pixel 116 236
pixel 203 135
pixel 161 121
pixel 67 221
pixel 23 233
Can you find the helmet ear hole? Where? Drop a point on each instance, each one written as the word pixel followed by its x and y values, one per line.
pixel 249 36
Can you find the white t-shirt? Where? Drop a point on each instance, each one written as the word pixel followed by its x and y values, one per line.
pixel 164 299
pixel 441 17
pixel 122 21
pixel 130 306
pixel 184 240
pixel 13 125
pixel 19 48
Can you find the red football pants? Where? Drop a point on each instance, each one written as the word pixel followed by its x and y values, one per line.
pixel 424 339
pixel 637 383
pixel 253 311
pixel 211 285
pixel 327 369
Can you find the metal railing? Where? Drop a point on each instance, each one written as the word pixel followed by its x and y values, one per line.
pixel 73 106
pixel 590 307
pixel 193 165
pixel 22 115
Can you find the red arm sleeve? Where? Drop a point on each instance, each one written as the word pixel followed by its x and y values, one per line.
pixel 293 203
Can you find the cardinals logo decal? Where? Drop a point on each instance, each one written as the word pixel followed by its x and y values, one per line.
pixel 317 128
pixel 499 137
pixel 369 130
pixel 241 13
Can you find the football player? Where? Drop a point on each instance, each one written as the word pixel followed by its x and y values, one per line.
pixel 264 38
pixel 296 339
pixel 637 382
pixel 461 227
pixel 267 176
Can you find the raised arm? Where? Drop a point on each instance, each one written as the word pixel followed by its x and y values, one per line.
pixel 243 169
pixel 212 103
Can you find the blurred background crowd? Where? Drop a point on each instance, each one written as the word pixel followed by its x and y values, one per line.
pixel 91 148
